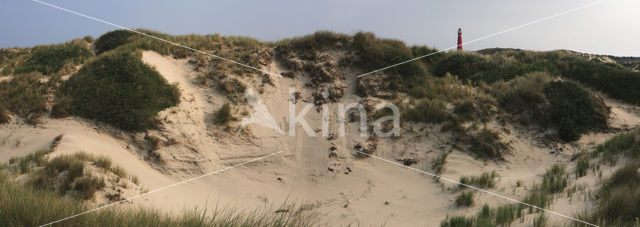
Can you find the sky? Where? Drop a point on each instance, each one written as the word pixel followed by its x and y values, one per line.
pixel 611 27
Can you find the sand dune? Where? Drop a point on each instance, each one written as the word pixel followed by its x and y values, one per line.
pixel 373 192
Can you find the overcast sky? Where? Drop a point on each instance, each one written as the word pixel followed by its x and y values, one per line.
pixel 612 27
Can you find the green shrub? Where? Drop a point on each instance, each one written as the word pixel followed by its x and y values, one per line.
pixel 24 95
pixel 114 39
pixel 374 53
pixel 465 65
pixel 464 199
pixel 426 111
pixel 51 59
pixel 121 90
pixel 574 111
pixel 524 97
pixel 486 180
pixel 487 144
pixel 223 115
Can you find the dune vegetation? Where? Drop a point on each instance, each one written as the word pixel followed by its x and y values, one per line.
pixel 121 90
pixel 461 93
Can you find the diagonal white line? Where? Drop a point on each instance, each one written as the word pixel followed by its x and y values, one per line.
pixel 162 188
pixel 157 38
pixel 489 36
pixel 477 189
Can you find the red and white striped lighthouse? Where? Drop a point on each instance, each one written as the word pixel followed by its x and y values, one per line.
pixel 459 38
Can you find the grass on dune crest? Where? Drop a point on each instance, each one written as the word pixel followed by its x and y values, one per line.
pixel 504 65
pixel 52 58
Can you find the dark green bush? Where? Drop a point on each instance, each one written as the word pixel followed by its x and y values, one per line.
pixel 524 97
pixel 374 53
pixel 51 59
pixel 114 39
pixel 223 115
pixel 574 111
pixel 121 90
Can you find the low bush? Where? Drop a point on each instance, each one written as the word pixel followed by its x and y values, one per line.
pixel 574 111
pixel 223 115
pixel 487 144
pixel 524 98
pixel 51 59
pixel 121 90
pixel 374 53
pixel 464 199
pixel 113 39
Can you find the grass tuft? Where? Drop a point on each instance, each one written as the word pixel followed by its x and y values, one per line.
pixel 464 199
